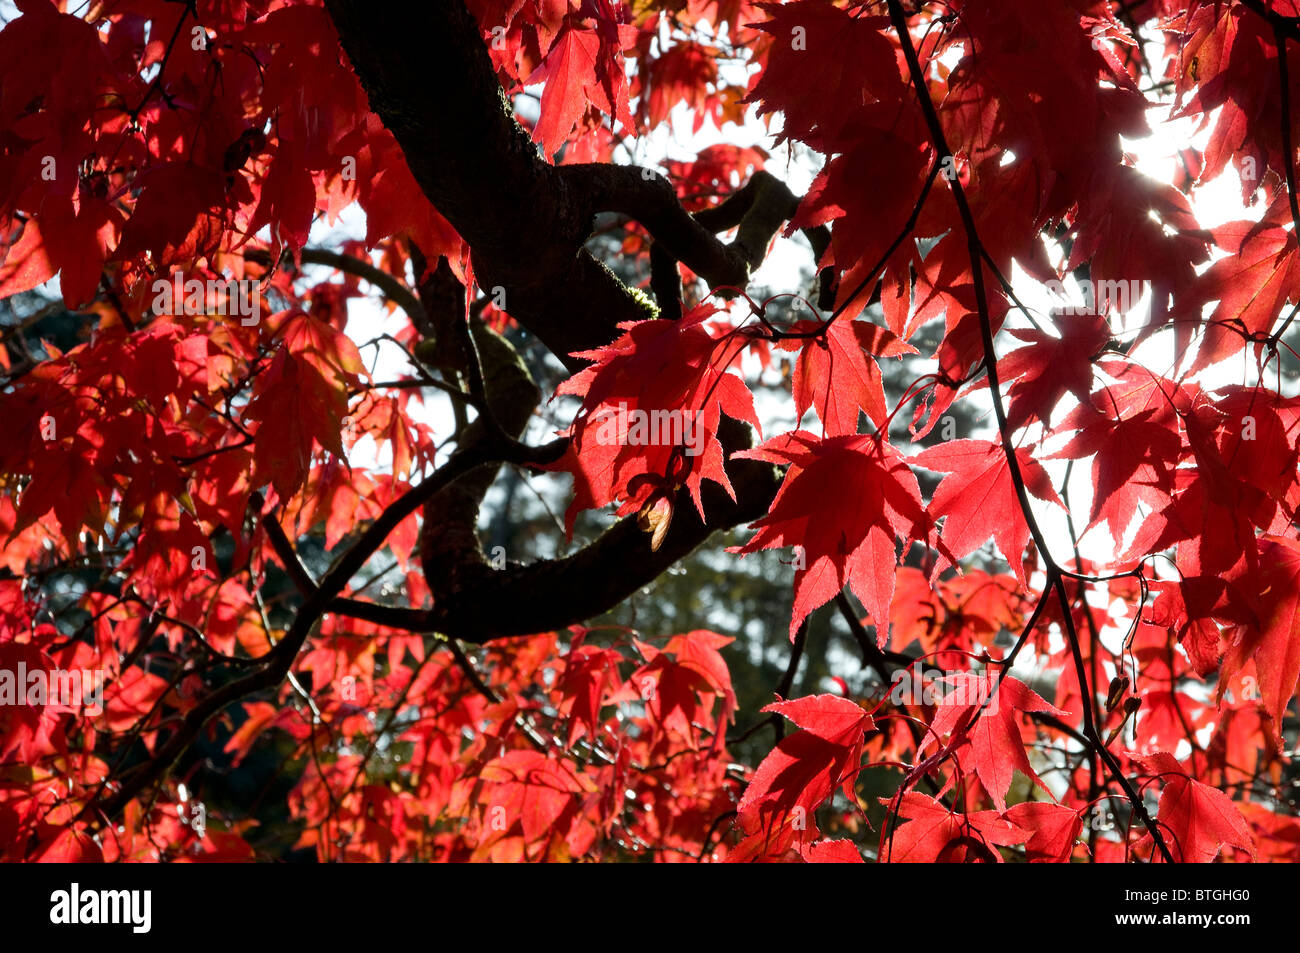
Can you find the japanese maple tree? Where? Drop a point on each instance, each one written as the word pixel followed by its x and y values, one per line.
pixel 230 538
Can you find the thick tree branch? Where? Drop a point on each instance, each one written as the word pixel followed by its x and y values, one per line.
pixel 484 174
pixel 553 593
pixel 759 210
pixel 449 543
pixel 651 200
pixel 482 171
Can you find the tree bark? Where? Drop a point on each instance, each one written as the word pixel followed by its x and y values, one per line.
pixel 428 76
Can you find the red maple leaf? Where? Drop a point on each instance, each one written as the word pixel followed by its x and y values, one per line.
pixel 978 499
pixel 1274 641
pixel 532 790
pixel 651 405
pixel 1048 367
pixel 681 683
pixel 805 768
pixel 837 376
pixel 79 235
pixel 302 398
pixel 584 67
pixel 1053 829
pixel 287 197
pixel 934 834
pixel 1197 820
pixel 879 503
pixel 589 674
pixel 1251 284
pixel 1133 462
pixel 992 746
pixel 827 65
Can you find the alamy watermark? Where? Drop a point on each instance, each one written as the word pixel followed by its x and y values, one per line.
pixel 234 297
pixel 74 906
pixel 650 428
pixel 1101 297
pixel 909 687
pixel 65 688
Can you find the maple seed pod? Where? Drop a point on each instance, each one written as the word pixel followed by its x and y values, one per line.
pixel 654 517
pixel 1118 689
pixel 1131 705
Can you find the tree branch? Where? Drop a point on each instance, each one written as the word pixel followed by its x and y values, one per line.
pixel 553 593
pixel 482 171
pixel 394 289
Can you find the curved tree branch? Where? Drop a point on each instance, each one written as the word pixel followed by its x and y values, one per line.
pixel 394 289
pixel 553 593
pixel 485 175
